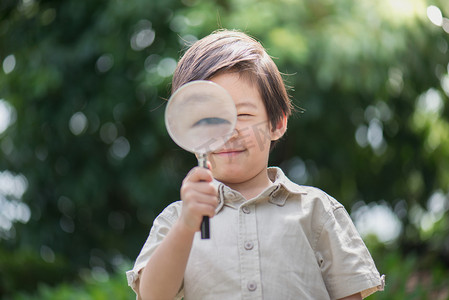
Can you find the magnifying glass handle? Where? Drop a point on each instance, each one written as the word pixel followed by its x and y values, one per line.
pixel 205 228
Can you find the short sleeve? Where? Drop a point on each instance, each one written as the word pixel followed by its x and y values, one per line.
pixel 161 226
pixel 345 262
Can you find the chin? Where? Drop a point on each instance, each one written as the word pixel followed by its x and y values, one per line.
pixel 228 177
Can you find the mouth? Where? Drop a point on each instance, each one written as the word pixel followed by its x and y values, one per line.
pixel 229 152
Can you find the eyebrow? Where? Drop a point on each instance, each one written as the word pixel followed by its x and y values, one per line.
pixel 246 104
pixel 196 98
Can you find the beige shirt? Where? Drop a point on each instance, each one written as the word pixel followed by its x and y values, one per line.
pixel 290 242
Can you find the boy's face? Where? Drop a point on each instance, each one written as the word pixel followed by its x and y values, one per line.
pixel 245 156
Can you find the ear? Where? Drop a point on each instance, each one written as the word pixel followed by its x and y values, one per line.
pixel 277 132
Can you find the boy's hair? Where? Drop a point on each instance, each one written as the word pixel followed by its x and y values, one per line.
pixel 234 51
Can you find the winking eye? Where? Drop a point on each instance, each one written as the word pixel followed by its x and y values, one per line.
pixel 211 121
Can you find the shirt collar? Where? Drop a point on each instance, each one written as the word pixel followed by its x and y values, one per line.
pixel 278 193
pixel 284 187
pixel 279 179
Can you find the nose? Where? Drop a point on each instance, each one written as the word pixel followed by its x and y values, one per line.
pixel 234 134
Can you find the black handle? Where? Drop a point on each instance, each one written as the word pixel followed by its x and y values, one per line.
pixel 205 228
pixel 205 232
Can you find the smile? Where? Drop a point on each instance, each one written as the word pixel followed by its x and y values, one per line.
pixel 229 152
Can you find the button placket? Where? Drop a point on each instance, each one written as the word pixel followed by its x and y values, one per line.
pixel 249 253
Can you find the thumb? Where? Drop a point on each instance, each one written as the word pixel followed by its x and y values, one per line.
pixel 209 165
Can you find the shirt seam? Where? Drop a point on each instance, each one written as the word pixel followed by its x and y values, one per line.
pixel 327 216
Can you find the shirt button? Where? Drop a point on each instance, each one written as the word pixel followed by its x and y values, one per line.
pixel 249 245
pixel 246 209
pixel 252 286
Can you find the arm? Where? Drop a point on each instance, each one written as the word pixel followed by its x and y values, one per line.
pixel 163 275
pixel 357 296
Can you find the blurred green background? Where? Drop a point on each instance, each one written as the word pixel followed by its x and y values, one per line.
pixel 86 163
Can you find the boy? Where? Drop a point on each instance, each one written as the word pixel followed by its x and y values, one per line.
pixel 270 238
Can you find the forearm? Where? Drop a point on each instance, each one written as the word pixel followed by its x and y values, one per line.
pixel 162 276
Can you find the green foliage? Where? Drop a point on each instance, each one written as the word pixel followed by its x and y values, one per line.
pixel 113 288
pixel 20 267
pixel 409 278
pixel 87 80
pixel 405 280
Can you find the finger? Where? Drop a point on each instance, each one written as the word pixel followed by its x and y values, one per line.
pixel 202 206
pixel 201 186
pixel 200 174
pixel 192 215
pixel 191 189
pixel 192 196
pixel 202 209
pixel 207 188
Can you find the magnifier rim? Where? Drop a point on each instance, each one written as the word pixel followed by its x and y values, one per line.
pixel 180 90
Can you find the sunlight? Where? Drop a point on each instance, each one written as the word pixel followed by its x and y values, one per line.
pixel 7 115
pixel 426 219
pixel 12 187
pixel 430 102
pixel 403 10
pixel 378 220
pixel 445 84
pixel 435 16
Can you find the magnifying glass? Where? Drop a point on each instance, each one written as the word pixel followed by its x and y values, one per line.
pixel 200 117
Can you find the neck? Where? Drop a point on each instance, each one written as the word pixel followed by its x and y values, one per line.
pixel 252 187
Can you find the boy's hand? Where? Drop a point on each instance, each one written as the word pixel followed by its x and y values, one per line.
pixel 199 198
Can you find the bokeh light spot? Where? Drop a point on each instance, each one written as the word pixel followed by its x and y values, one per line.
pixel 78 123
pixel 361 136
pixel 120 148
pixel 47 254
pixel 104 63
pixel 108 132
pixel 434 14
pixel 12 185
pixel 9 63
pixel 297 170
pixel 430 102
pixel 166 67
pixel 7 115
pixel 143 37
pixel 376 219
pixel 375 133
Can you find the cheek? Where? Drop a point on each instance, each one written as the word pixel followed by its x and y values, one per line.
pixel 257 136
